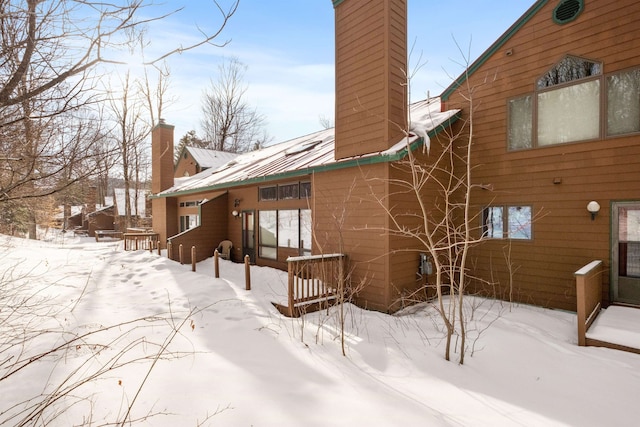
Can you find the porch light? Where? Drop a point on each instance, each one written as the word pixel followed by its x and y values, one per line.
pixel 235 213
pixel 593 207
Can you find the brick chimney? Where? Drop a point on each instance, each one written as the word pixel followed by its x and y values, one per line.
pixel 371 67
pixel 161 157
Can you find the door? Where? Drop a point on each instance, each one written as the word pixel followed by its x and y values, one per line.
pixel 625 247
pixel 249 236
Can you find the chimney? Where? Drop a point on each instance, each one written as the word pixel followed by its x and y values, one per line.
pixel 371 68
pixel 161 157
pixel 91 198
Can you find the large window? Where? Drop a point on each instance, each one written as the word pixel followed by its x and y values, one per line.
pixel 289 228
pixel 567 106
pixel 623 102
pixel 507 222
pixel 268 234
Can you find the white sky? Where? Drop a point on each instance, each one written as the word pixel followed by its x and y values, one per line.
pixel 288 46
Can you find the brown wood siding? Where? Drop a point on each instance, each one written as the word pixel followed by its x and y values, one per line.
pixel 186 166
pixel 207 236
pixel 564 236
pixel 371 58
pixel 161 157
pixel 348 219
pixel 165 218
pixel 404 206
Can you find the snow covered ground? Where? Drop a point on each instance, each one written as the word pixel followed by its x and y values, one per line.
pixel 236 362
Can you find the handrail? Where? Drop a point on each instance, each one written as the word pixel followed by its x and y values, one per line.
pixel 313 280
pixel 134 241
pixel 589 297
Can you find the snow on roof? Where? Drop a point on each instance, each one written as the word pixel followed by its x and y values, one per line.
pixel 120 201
pixel 75 210
pixel 305 152
pixel 207 158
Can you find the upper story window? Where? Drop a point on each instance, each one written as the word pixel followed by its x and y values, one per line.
pixel 568 105
pixel 298 190
pixel 569 69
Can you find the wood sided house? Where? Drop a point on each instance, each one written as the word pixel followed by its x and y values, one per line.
pixel 556 130
pixel 193 160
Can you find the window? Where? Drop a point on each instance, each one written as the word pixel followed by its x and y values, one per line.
pixel 268 232
pixel 568 114
pixel 305 190
pixel 565 108
pixel 305 231
pixel 623 102
pixel 289 228
pixel 298 190
pixel 520 127
pixel 268 193
pixel 507 222
pixel 289 191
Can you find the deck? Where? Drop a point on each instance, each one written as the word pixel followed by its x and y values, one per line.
pixel 616 327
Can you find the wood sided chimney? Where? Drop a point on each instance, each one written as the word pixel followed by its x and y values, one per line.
pixel 161 157
pixel 371 75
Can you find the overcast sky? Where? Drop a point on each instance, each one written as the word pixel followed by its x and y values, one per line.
pixel 288 47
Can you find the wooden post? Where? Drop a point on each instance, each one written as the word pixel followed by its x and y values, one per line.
pixel 180 252
pixel 169 249
pixel 216 264
pixel 159 251
pixel 193 258
pixel 247 273
pixel 588 297
pixel 292 265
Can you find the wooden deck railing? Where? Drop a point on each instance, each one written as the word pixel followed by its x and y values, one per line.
pixel 589 297
pixel 314 282
pixel 135 241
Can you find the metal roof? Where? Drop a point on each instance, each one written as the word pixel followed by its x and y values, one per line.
pixel 302 155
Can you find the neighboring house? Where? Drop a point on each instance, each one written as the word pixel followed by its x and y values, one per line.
pixel 193 160
pixel 556 125
pixel 138 202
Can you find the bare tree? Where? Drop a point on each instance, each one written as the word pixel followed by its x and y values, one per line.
pixel 129 133
pixel 50 62
pixel 229 122
pixel 70 38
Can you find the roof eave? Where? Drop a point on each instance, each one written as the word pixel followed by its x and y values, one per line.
pixel 493 48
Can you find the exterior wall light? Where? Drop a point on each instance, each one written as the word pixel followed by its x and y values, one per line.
pixel 593 207
pixel 235 213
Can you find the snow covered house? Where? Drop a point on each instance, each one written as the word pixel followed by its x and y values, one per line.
pixel 556 120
